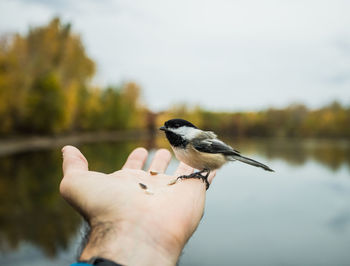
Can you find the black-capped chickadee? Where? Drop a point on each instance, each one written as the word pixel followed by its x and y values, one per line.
pixel 200 149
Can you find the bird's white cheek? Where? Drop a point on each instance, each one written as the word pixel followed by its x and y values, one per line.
pixel 187 132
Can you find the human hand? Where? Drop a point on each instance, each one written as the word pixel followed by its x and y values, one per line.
pixel 128 225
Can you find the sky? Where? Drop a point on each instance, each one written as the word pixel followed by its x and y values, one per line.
pixel 222 55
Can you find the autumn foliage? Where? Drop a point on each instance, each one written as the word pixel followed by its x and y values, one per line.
pixel 331 121
pixel 45 88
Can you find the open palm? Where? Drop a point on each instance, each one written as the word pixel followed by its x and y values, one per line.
pixel 163 219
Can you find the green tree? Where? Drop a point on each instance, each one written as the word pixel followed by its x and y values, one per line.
pixel 51 60
pixel 45 105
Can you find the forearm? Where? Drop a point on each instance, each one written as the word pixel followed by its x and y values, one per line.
pixel 128 247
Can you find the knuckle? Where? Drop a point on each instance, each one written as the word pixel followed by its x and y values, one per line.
pixel 64 186
pixel 66 183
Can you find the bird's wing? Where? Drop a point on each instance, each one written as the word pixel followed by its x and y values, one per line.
pixel 213 146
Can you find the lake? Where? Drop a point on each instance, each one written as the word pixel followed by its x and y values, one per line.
pixel 299 215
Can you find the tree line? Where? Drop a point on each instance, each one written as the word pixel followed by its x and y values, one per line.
pixel 45 88
pixel 296 120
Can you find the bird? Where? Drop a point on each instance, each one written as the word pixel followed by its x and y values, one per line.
pixel 201 149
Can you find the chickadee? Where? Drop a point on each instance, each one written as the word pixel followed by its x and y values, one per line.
pixel 200 149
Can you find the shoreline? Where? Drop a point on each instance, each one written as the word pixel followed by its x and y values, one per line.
pixel 18 144
pixel 23 144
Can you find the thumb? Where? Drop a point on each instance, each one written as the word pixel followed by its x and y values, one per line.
pixel 73 160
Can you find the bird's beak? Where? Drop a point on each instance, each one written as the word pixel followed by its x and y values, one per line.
pixel 162 128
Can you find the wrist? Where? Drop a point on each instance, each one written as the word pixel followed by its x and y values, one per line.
pixel 130 245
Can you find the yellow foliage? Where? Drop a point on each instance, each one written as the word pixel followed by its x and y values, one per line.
pixel 26 60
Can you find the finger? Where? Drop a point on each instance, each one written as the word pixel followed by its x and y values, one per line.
pixel 73 159
pixel 211 176
pixel 160 161
pixel 136 159
pixel 183 169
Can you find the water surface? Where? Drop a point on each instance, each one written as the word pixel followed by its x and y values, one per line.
pixel 299 215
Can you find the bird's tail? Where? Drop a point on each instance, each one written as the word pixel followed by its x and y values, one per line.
pixel 250 161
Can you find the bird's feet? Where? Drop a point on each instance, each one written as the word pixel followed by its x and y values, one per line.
pixel 198 175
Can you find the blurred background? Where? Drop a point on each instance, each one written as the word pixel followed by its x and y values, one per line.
pixel 272 78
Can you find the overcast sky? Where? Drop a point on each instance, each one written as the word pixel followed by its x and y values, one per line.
pixel 225 55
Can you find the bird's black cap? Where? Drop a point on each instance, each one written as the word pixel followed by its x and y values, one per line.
pixel 176 123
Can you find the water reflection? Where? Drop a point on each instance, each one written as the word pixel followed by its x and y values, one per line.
pixel 332 154
pixel 110 156
pixel 341 221
pixel 32 211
